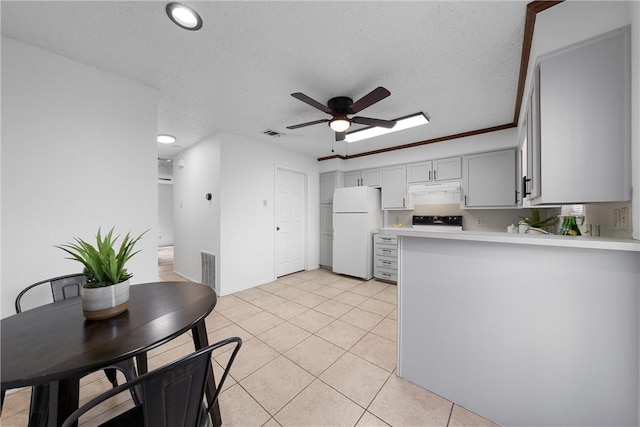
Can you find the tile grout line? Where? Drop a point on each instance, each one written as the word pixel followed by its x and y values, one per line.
pixel 450 414
pixel 374 398
pixel 315 377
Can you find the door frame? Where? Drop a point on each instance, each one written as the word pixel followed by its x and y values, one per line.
pixel 305 174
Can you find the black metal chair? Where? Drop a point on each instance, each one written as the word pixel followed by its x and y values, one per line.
pixel 63 287
pixel 172 395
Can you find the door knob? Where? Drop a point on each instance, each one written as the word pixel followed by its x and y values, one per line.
pixel 277 228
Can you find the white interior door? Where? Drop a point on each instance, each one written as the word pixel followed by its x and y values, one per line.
pixel 290 221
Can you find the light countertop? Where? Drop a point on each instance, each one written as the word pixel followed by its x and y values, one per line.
pixel 522 239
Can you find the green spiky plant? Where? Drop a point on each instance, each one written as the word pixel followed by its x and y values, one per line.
pixel 535 221
pixel 103 266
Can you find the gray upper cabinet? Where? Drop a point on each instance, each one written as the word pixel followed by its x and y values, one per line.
pixel 394 187
pixel 489 179
pixel 371 177
pixel 329 181
pixel 584 117
pixel 419 172
pixel 447 169
pixel 435 170
pixel 352 179
pixel 366 177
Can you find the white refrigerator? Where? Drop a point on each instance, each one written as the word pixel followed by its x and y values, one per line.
pixel 356 216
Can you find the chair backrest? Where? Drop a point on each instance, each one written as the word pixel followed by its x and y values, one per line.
pixel 172 395
pixel 62 287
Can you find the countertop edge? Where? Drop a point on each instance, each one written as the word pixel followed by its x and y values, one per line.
pixel 522 239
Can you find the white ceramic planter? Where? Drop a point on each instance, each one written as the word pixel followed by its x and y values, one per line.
pixel 105 302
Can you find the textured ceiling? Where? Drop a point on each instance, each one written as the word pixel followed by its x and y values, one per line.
pixel 456 61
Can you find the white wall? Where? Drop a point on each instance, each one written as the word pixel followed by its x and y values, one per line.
pixel 196 172
pixel 235 225
pixel 247 226
pixel 78 153
pixel 165 214
pixel 507 138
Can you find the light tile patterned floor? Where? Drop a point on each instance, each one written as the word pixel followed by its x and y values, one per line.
pixel 319 350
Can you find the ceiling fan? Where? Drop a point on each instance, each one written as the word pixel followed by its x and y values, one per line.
pixel 341 106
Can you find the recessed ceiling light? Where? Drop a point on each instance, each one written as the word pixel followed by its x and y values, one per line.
pixel 166 139
pixel 184 16
pixel 401 124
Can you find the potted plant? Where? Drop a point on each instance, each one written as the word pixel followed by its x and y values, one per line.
pixel 106 292
pixel 537 224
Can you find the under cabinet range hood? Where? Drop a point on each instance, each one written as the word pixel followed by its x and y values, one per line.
pixel 437 193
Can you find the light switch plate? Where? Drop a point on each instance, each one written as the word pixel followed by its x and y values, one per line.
pixel 616 219
pixel 624 219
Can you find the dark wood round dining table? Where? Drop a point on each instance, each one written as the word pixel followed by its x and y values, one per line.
pixel 54 344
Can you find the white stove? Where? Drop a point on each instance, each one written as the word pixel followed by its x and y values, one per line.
pixel 437 223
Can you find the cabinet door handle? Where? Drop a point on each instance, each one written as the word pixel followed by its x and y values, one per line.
pixel 525 184
pixel 403 202
pixel 465 200
pixel 429 175
pixel 434 175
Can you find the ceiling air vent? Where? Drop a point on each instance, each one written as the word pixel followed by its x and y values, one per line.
pixel 272 133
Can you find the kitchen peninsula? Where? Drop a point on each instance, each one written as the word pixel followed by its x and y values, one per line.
pixel 522 329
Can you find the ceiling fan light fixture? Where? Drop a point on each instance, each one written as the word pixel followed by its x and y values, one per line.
pixel 166 139
pixel 401 124
pixel 339 124
pixel 184 16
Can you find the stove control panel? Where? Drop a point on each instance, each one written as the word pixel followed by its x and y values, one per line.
pixel 447 220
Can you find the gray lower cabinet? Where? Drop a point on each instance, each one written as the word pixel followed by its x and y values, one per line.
pixel 326 234
pixel 329 181
pixel 385 257
pixel 326 250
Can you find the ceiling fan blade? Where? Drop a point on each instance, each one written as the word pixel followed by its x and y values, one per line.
pixel 378 94
pixel 339 136
pixel 374 122
pixel 301 125
pixel 304 98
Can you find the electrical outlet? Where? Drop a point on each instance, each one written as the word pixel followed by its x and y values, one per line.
pixel 616 219
pixel 624 219
pixel 478 221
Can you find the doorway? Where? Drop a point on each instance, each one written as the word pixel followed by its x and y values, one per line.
pixel 291 220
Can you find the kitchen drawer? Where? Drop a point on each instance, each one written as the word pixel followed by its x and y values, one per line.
pixel 385 238
pixel 387 250
pixel 387 262
pixel 385 274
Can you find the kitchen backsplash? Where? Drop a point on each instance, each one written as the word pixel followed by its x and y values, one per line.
pixel 611 218
pixel 472 220
pixel 601 214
